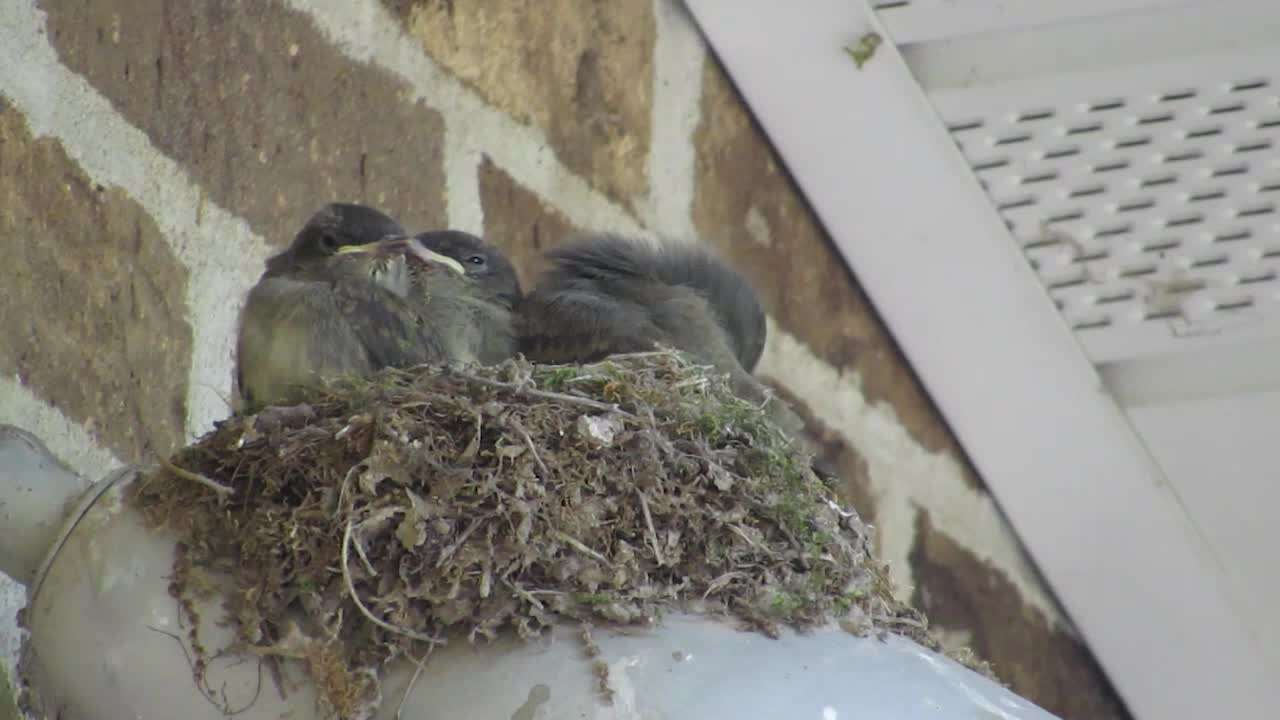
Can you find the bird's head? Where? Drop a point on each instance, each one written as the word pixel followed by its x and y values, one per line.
pixel 332 228
pixel 479 262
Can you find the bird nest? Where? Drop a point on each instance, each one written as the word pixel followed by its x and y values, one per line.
pixel 392 513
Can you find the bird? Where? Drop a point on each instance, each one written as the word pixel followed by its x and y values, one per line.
pixel 606 294
pixel 352 294
pixel 471 309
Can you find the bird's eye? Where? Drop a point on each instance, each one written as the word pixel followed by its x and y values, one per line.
pixel 329 243
pixel 476 259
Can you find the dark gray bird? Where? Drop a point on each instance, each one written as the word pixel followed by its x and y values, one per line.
pixel 351 295
pixel 470 309
pixel 606 294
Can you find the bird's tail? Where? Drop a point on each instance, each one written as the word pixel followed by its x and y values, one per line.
pixel 734 302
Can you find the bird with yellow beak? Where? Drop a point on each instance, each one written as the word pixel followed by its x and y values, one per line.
pixel 351 295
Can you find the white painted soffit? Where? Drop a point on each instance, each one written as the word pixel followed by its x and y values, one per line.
pixel 1015 358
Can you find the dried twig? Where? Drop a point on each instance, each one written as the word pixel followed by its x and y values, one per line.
pixel 544 394
pixel 546 474
pixel 186 474
pixel 355 597
pixel 648 521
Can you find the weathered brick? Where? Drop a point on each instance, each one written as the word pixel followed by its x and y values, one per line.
pixel 519 221
pixel 747 204
pixel 959 591
pixel 95 301
pixel 580 70
pixel 268 116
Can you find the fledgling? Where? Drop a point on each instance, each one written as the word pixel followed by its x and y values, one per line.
pixel 606 294
pixel 470 307
pixel 340 300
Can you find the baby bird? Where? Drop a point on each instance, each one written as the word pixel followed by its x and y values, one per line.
pixel 605 294
pixel 342 299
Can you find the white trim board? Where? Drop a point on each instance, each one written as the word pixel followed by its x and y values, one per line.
pixel 1081 489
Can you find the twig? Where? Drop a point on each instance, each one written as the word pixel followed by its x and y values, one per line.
pixel 368 566
pixel 653 534
pixel 186 474
pixel 351 588
pixel 544 394
pixel 546 474
pixel 563 537
pixel 413 680
pixel 449 551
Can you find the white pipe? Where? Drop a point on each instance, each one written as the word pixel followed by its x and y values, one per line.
pixel 36 493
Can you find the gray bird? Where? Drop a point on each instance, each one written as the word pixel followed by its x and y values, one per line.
pixel 344 298
pixel 606 294
pixel 470 308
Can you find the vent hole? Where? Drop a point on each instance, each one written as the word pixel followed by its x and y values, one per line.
pixel 1119 297
pixel 891 4
pixel 1034 115
pixel 965 125
pixel 1084 129
pixel 1065 217
pixel 1210 262
pixel 1013 139
pixel 1205 132
pixel 1234 304
pixel 1062 152
pixel 1105 105
pixel 1136 205
pixel 1268 123
pixel 1254 146
pixel 1092 324
pixel 1090 190
pixel 1225 109
pixel 1184 156
pixel 1155 119
pixel 1230 170
pixel 1133 142
pixel 1249 85
pixel 1270 187
pixel 1160 245
pixel 1113 231
pixel 1042 177
pixel 1260 278
pixel 1163 314
pixel 1177 95
pixel 1017 203
pixel 991 164
pixel 1159 180
pixel 1111 166
pixel 1256 210
pixel 1138 271
pixel 1232 236
pixel 1208 195
pixel 1184 220
pixel 1040 242
pixel 1066 283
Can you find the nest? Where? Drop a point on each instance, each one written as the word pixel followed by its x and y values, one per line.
pixel 392 513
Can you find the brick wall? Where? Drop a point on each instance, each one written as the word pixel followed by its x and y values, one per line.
pixel 154 152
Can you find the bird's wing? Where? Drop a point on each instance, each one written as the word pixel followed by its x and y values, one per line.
pixel 582 324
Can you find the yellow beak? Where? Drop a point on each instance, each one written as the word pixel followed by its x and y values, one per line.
pixel 410 244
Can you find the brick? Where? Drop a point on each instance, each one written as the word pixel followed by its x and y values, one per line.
pixel 579 70
pixel 519 221
pixel 96 301
pixel 959 591
pixel 264 113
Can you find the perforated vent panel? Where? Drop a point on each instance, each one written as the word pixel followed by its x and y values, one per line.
pixel 1137 200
